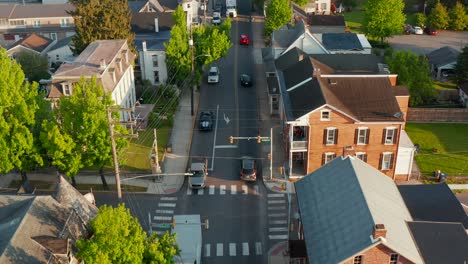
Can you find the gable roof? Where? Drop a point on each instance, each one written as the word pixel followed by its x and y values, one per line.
pixel 443 56
pixel 351 63
pixel 341 41
pixel 441 242
pixel 168 4
pixel 311 83
pixel 18 11
pixel 326 20
pixel 285 36
pixel 433 202
pixel 289 58
pixel 153 42
pixel 33 42
pixel 62 43
pixel 32 228
pixel 341 202
pixel 145 22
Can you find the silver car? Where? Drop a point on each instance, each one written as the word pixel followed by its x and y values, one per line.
pixel 213 75
pixel 198 171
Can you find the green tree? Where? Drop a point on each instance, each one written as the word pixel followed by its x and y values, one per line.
pixel 384 18
pixel 301 2
pixel 116 237
pixel 439 17
pixel 100 19
pixel 160 249
pixel 420 19
pixel 17 117
pixel 35 66
pixel 458 17
pixel 278 14
pixel 413 72
pixel 213 41
pixel 461 68
pixel 349 4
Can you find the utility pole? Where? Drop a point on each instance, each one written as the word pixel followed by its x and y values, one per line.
pixel 271 153
pixel 204 12
pixel 156 169
pixel 192 83
pixel 110 122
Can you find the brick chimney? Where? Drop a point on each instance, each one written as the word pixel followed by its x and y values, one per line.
pixel 348 151
pixel 102 64
pixel 379 231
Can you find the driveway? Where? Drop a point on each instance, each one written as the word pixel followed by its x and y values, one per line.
pixel 423 44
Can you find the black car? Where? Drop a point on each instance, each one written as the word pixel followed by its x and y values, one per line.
pixel 206 121
pixel 246 80
pixel 248 169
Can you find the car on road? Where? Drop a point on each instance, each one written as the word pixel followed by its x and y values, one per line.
pixel 206 121
pixel 213 75
pixel 216 18
pixel 246 80
pixel 430 31
pixel 198 173
pixel 248 171
pixel 418 31
pixel 244 40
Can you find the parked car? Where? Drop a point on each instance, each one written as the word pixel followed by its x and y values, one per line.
pixel 198 172
pixel 216 18
pixel 409 29
pixel 213 75
pixel 418 31
pixel 245 80
pixel 430 31
pixel 248 169
pixel 244 40
pixel 206 121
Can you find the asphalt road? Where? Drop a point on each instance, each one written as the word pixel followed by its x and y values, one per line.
pixel 423 44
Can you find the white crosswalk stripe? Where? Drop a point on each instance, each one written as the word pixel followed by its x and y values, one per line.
pixel 258 248
pixel 276 201
pixel 232 249
pixel 233 189
pixel 278 236
pixel 245 249
pixel 165 198
pixel 245 189
pixel 166 204
pixel 270 195
pixel 207 250
pixel 212 189
pixel 272 208
pixel 277 216
pixel 164 211
pixel 222 189
pixel 219 249
pixel 163 218
pixel 200 191
pixel 277 229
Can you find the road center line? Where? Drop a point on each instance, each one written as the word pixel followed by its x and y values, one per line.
pixel 214 139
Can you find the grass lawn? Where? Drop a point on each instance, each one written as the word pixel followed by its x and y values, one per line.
pixel 42 185
pixel 354 20
pixel 444 85
pixel 451 144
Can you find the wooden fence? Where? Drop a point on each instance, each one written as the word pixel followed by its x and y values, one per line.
pixel 438 115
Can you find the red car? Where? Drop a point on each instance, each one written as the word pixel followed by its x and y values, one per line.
pixel 244 40
pixel 430 31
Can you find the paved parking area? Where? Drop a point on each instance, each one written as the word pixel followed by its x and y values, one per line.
pixel 423 44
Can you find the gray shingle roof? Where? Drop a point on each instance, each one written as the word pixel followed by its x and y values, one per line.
pixel 289 58
pixel 38 10
pixel 443 56
pixel 351 63
pixel 441 242
pixel 285 36
pixel 341 202
pixel 433 202
pixel 341 41
pixel 62 43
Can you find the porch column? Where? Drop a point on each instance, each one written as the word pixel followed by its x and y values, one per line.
pixel 290 148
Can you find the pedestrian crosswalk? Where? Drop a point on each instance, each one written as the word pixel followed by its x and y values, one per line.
pixel 277 216
pixel 225 190
pixel 232 249
pixel 161 219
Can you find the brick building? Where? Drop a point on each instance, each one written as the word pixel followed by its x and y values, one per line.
pixel 342 104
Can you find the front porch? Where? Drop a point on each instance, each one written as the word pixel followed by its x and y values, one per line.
pixel 297 151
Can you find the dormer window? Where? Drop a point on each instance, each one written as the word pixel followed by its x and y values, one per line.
pixel 66 88
pixel 325 115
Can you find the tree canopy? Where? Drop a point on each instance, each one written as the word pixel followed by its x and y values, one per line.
pixel 413 71
pixel 458 17
pixel 117 237
pixel 301 2
pixel 439 17
pixel 210 44
pixel 100 19
pixel 278 14
pixel 420 19
pixel 34 65
pixel 17 117
pixel 384 18
pixel 461 68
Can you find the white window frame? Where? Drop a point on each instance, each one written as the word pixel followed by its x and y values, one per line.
pixel 384 156
pixel 64 22
pixel 329 156
pixel 360 154
pixel 321 115
pixel 154 76
pixel 390 142
pixel 53 36
pixel 37 23
pixel 362 129
pixel 334 129
pixel 155 60
pixel 67 89
pixel 394 261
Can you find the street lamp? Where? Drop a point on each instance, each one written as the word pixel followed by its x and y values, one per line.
pixel 193 69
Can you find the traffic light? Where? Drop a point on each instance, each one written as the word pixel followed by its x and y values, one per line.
pixel 231 139
pixel 259 139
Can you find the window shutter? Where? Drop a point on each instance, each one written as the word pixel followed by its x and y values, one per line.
pixel 383 135
pixel 391 161
pixel 395 135
pixel 324 136
pixel 380 161
pixel 323 159
pixel 356 136
pixel 367 136
pixel 336 136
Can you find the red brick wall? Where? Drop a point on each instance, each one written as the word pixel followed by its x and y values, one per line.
pixel 379 254
pixel 346 137
pixel 403 102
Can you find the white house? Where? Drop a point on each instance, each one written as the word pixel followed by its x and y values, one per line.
pixel 152 57
pixel 110 61
pixel 191 8
pixel 443 59
pixel 463 93
pixel 61 51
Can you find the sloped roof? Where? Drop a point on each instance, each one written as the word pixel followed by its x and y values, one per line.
pixel 145 22
pixel 34 42
pixel 441 242
pixel 285 36
pixel 351 63
pixel 433 202
pixel 326 20
pixel 341 202
pixel 311 83
pixel 62 43
pixel 289 58
pixel 169 4
pixel 443 56
pixel 154 41
pixel 18 11
pixel 341 41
